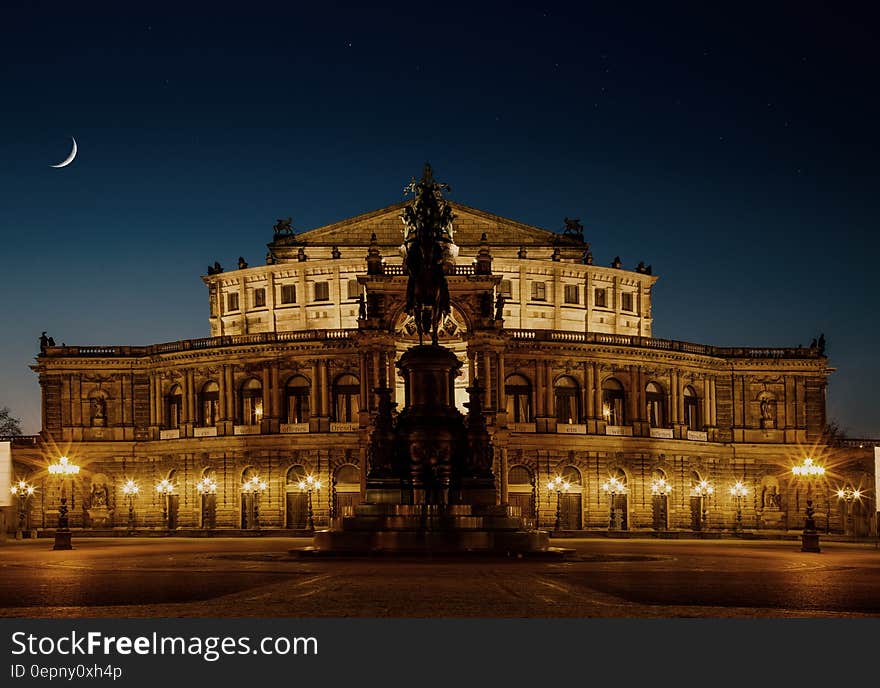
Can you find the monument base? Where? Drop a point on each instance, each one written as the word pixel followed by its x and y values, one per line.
pixel 431 530
pixel 62 540
pixel 810 542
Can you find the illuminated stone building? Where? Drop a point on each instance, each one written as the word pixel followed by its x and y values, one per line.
pixel 574 384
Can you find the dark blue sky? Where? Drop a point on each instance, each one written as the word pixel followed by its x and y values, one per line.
pixel 735 150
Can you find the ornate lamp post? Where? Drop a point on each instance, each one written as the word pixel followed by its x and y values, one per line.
pixel 809 471
pixel 206 486
pixel 64 469
pixel 310 483
pixel 849 495
pixel 165 488
pixel 703 490
pixel 255 486
pixel 660 489
pixel 613 487
pixel 24 491
pixel 738 490
pixel 560 486
pixel 130 489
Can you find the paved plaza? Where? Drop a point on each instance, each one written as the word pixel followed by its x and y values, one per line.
pixel 178 577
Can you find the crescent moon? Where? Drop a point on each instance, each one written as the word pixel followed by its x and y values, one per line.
pixel 69 157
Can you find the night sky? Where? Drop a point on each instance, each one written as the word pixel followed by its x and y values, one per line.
pixel 734 150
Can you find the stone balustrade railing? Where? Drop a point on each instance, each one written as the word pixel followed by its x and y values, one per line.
pixel 630 341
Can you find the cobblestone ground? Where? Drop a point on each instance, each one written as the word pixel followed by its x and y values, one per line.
pixel 176 577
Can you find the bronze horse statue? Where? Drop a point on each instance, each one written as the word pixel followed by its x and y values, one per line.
pixel 427 237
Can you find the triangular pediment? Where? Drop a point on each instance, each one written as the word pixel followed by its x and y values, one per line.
pixel 468 226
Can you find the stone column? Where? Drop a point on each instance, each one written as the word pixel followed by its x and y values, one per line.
pixel 275 378
pixel 707 411
pixel 634 395
pixel 790 421
pixel 597 391
pixel 674 393
pixel 230 394
pixel 551 400
pixel 589 391
pixel 223 406
pixel 540 394
pixel 713 403
pixel 501 404
pixel 503 470
pixel 152 401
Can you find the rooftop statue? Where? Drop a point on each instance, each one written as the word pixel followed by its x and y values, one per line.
pixel 573 228
pixel 283 226
pixel 428 253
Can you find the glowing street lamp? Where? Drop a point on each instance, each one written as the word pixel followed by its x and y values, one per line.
pixel 130 489
pixel 849 495
pixel 307 485
pixel 63 469
pixel 560 485
pixel 738 490
pixel 24 491
pixel 809 471
pixel 613 486
pixel 703 490
pixel 165 488
pixel 255 486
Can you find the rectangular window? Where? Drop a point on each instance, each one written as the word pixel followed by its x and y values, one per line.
pixel 288 293
pixel 506 289
pixel 571 293
pixel 322 291
pixel 600 301
pixel 259 298
pixel 626 301
pixel 539 291
pixel 354 289
pixel 232 302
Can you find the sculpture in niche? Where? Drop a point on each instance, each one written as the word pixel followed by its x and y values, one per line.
pixel 767 406
pixel 99 411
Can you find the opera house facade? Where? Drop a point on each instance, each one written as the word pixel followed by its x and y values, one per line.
pixel 595 424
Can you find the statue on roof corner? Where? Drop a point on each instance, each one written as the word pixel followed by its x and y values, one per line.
pixel 573 229
pixel 428 253
pixel 284 227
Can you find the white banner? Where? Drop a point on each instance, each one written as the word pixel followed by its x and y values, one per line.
pixel 877 477
pixel 5 473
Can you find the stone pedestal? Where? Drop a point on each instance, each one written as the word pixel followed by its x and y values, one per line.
pixel 62 540
pixel 810 541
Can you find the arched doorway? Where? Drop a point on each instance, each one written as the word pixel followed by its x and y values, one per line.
pixel 697 502
pixel 296 501
pixel 249 500
pixel 521 492
pixel 172 501
pixel 207 489
pixel 346 490
pixel 660 489
pixel 571 502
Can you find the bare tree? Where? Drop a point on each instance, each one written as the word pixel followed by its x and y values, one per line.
pixel 9 426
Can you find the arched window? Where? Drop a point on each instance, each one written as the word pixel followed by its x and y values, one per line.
pixel 296 474
pixel 567 402
pixel 298 394
pixel 613 402
pixel 173 407
pixel 573 476
pixel 209 404
pixel 519 399
pixel 251 402
pixel 519 476
pixel 691 409
pixel 348 473
pixel 655 400
pixel 346 397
